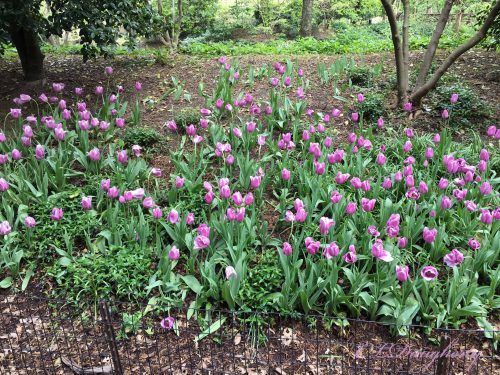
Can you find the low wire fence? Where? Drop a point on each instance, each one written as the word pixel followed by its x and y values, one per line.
pixel 47 336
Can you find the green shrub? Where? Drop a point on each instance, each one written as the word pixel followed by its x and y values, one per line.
pixel 122 274
pixel 144 137
pixel 187 116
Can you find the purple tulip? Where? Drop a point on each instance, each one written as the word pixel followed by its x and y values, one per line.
pixel 201 242
pixel 407 107
pixel 94 154
pixel 157 213
pixel 4 185
pixel 5 228
pixel 325 224
pixel 287 249
pixel 454 98
pixel 350 208
pixel 29 222
pixel 174 253
pixel 148 203
pixel 190 218
pixel 402 273
pixel 429 273
pixel 39 152
pixel 379 252
pixel 402 242
pixel 57 214
pixel 429 235
pixel 446 202
pixel 312 246
pixel 86 203
pixel 368 205
pixel 453 258
pixel 167 323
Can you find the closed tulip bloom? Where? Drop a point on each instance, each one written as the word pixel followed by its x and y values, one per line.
pixel 319 168
pixel 39 152
pixel 122 157
pixel 443 183
pixel 179 182
pixel 261 139
pixel 173 216
pixel 335 197
pixel 5 158
pixel 136 149
pixel 312 246
pixel 368 205
pixel 407 146
pixel 361 98
pixel 380 159
pixel 285 174
pixel 16 155
pixel 380 122
pixel 410 181
pixel 372 231
pixel 148 202
pixel 86 203
pixel 446 202
pixel 398 176
pixel 157 213
pixel 94 154
pixel 4 185
pixel 190 218
pixel 387 184
pixel 454 98
pixel 174 253
pixel 209 197
pixel 474 244
pixel 57 214
pixel 484 155
pixel 429 273
pixel 331 250
pixel 351 208
pixel 230 273
pixel 355 116
pixel 325 224
pixel 429 235
pixel 249 198
pixel 113 192
pixel 287 249
pixel 445 114
pixel 255 181
pixel 402 242
pixel 482 166
pixel 108 70
pixel 201 242
pixel 29 222
pixel 225 192
pixel 105 184
pixel 429 152
pixel 15 112
pixel 486 188
pixel 486 217
pixel 402 273
pixel 491 131
pixel 237 198
pixel 301 215
pixel 423 188
pixel 356 182
pixel 407 107
pixel 5 228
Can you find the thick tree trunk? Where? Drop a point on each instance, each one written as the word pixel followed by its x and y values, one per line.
pixel 30 54
pixel 432 47
pixel 306 21
pixel 418 94
pixel 398 51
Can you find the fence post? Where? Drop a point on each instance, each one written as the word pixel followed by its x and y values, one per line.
pixel 110 336
pixel 442 364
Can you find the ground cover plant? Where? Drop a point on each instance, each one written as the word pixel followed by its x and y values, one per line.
pixel 269 204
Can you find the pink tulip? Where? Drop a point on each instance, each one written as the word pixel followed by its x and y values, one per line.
pixel 157 213
pixel 367 204
pixel 86 203
pixel 402 242
pixel 148 202
pixel 167 323
pixel 312 246
pixel 402 273
pixel 335 197
pixel 453 258
pixel 287 249
pixel 57 214
pixel 429 273
pixel 429 235
pixel 379 252
pixel 351 208
pixel 446 202
pixel 325 224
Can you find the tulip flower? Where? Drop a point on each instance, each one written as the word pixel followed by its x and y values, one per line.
pixel 173 253
pixel 230 273
pixel 325 224
pixel 29 222
pixel 402 273
pixel 429 273
pixel 453 258
pixel 57 214
pixel 86 203
pixel 5 228
pixel 167 323
pixel 429 235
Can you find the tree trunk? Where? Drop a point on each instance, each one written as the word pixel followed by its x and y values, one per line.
pixel 306 22
pixel 433 44
pixel 458 21
pixel 398 51
pixel 418 94
pixel 28 49
pixel 406 47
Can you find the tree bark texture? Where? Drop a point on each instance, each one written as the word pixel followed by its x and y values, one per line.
pixel 433 44
pixel 306 21
pixel 28 49
pixel 419 93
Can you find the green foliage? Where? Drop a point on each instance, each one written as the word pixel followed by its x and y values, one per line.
pixel 198 16
pixel 144 137
pixel 262 281
pixel 122 273
pixel 469 109
pixel 100 23
pixel 187 116
pixel 373 106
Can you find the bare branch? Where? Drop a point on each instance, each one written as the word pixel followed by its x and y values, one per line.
pixel 396 41
pixel 431 48
pixel 475 39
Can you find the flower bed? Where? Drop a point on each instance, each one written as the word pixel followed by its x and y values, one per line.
pixel 269 207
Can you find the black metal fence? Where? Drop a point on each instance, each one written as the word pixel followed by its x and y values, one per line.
pixel 45 336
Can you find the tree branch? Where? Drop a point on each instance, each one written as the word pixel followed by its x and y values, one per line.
pixel 406 46
pixel 475 39
pixel 432 47
pixel 396 41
